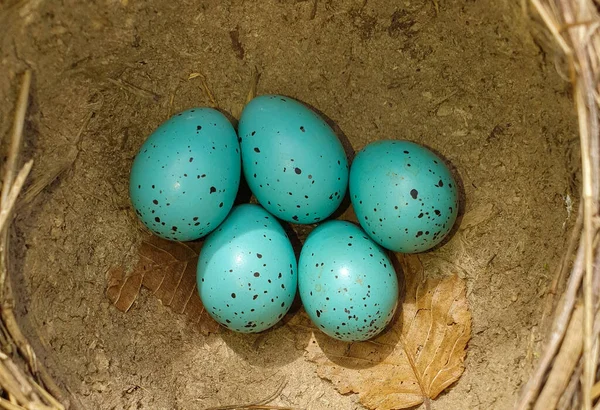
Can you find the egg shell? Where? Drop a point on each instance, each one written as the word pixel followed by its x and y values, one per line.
pixel 247 271
pixel 293 161
pixel 404 195
pixel 347 283
pixel 186 175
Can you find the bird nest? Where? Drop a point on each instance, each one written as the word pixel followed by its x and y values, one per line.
pixel 565 373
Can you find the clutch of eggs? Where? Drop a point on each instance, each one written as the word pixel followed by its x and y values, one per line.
pixel 185 177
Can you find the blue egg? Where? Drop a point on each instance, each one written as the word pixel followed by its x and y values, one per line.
pixel 293 161
pixel 186 175
pixel 347 283
pixel 247 271
pixel 404 195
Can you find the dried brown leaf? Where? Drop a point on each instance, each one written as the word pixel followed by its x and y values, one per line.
pixel 168 270
pixel 123 290
pixel 420 355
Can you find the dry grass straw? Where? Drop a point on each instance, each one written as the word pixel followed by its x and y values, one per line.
pixel 30 386
pixel 565 376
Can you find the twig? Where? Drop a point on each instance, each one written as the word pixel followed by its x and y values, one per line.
pixel 11 169
pixel 9 203
pixel 588 239
pixel 38 185
pixel 49 398
pixel 313 11
pixel 560 326
pixel 16 136
pixel 553 26
pixel 254 405
pixel 253 85
pixel 436 103
pixel 587 127
pixel 205 87
pixel 10 384
pixel 7 405
pixel 10 191
pixel 568 21
pixel 564 364
pixel 252 90
pixel 596 391
pixel 566 401
pixel 22 381
pixel 563 267
pixel 20 390
pixel 140 92
pixel 25 349
pixel 6 208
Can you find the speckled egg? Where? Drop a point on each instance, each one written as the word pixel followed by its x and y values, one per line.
pixel 347 283
pixel 247 271
pixel 293 161
pixel 404 195
pixel 186 175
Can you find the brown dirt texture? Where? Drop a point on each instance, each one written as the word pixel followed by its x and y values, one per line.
pixel 466 78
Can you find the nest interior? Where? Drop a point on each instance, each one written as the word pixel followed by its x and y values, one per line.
pixel 465 78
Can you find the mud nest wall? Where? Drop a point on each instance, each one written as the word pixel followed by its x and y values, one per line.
pixel 466 78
